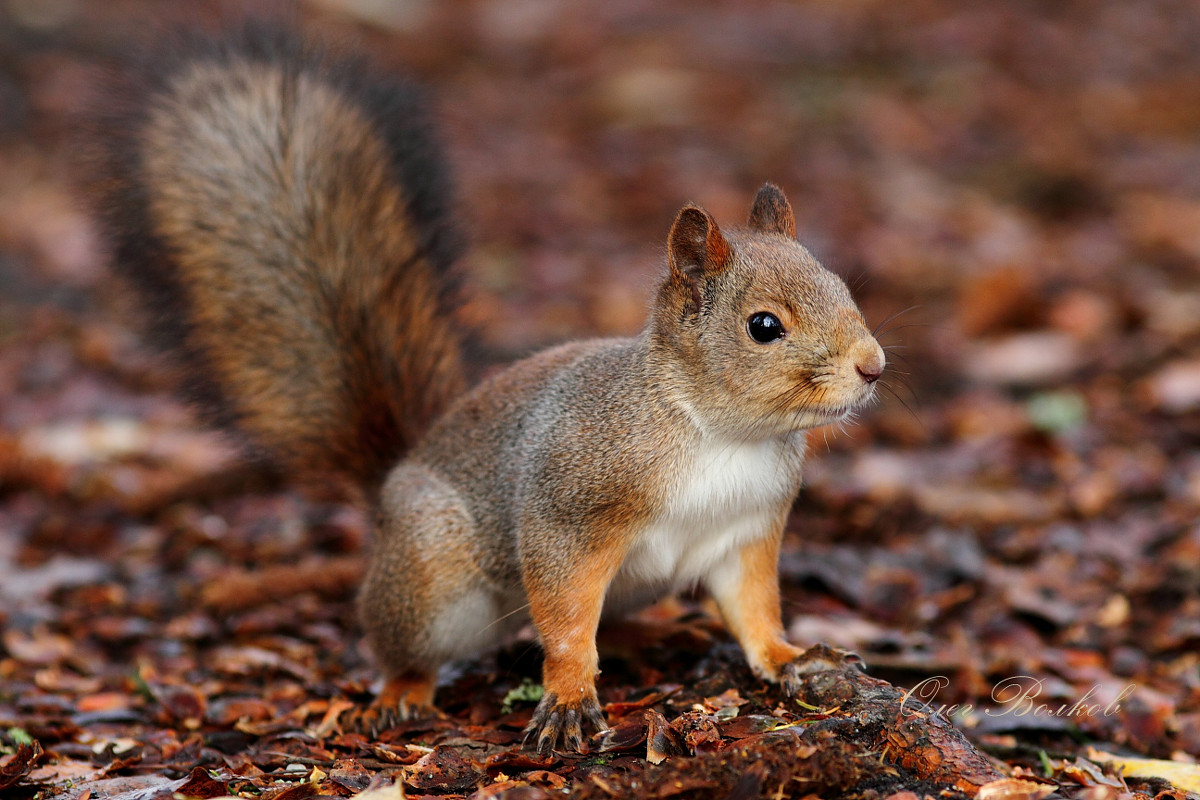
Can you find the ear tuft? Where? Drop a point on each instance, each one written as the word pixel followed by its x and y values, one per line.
pixel 696 245
pixel 771 212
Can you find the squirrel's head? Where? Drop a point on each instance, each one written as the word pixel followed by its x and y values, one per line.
pixel 769 340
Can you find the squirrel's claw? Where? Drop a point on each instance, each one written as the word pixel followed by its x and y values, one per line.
pixel 818 658
pixel 379 717
pixel 554 722
pixel 404 697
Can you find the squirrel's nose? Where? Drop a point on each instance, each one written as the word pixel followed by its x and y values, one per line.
pixel 869 365
pixel 869 372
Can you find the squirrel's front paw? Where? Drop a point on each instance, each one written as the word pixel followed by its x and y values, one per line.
pixel 556 722
pixel 818 658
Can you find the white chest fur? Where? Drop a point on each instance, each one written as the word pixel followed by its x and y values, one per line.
pixel 727 493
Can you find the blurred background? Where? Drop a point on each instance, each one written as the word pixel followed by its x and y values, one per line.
pixel 1011 189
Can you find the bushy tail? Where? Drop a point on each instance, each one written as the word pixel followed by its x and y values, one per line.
pixel 284 213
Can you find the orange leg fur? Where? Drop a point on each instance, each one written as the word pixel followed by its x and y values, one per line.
pixel 748 595
pixel 406 696
pixel 411 691
pixel 566 620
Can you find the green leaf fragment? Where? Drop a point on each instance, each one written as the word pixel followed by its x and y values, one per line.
pixel 19 736
pixel 528 691
pixel 1056 412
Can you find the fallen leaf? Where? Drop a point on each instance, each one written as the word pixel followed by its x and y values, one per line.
pixel 1014 789
pixel 16 766
pixel 1184 775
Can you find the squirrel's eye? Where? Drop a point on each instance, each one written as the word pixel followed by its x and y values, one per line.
pixel 764 328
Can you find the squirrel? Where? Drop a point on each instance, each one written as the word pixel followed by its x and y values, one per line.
pixel 285 213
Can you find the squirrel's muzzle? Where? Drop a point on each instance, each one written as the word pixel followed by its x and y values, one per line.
pixel 868 359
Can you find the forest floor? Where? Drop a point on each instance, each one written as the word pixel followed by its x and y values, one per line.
pixel 1012 534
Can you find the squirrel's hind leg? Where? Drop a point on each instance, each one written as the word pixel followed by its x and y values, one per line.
pixel 425 600
pixel 403 697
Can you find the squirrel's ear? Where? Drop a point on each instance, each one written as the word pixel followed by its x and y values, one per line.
pixel 771 212
pixel 696 245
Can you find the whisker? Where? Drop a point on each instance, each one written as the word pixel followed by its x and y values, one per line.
pixel 902 357
pixel 895 328
pixel 858 281
pixel 907 408
pixel 503 617
pixel 903 379
pixel 876 333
